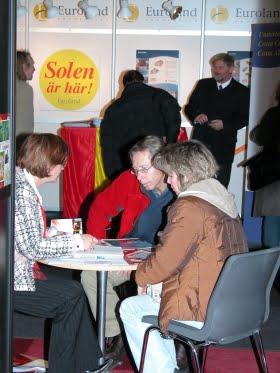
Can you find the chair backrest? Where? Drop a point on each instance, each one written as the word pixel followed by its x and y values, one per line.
pixel 240 302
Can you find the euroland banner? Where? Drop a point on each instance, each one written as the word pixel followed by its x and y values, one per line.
pixel 228 15
pixel 265 73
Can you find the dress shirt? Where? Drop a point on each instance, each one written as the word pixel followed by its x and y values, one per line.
pixel 224 85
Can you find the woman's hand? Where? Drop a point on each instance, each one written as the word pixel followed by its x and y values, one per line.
pixel 88 241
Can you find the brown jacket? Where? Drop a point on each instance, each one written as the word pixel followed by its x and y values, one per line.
pixel 194 245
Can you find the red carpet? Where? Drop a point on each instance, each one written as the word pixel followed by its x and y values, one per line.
pixel 219 360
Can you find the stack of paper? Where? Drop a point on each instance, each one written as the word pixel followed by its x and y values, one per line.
pixel 101 252
pixel 115 252
pixel 134 250
pixel 79 123
pixel 129 243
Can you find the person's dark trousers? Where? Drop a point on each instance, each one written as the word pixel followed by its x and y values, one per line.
pixel 224 173
pixel 73 345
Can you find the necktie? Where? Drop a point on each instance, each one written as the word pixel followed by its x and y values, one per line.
pixel 220 87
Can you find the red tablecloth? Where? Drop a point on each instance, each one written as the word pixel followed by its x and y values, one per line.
pixel 79 174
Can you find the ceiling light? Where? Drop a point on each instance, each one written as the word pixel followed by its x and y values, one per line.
pixel 89 10
pixel 51 10
pixel 174 11
pixel 21 10
pixel 124 11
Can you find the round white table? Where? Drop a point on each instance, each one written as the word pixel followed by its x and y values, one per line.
pixel 102 270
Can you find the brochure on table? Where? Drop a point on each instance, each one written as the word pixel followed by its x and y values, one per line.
pixel 108 251
pixel 115 249
pixel 128 243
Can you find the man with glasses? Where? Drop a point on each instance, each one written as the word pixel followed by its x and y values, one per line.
pixel 142 196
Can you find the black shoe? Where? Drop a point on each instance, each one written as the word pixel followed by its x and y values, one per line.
pixel 102 368
pixel 116 362
pixel 116 351
pixel 181 356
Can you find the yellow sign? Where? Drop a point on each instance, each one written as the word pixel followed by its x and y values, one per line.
pixel 69 79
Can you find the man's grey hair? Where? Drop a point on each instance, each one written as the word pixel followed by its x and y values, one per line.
pixel 225 57
pixel 151 143
pixel 190 160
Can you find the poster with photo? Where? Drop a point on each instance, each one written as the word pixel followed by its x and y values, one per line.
pixel 160 68
pixel 242 66
pixel 5 169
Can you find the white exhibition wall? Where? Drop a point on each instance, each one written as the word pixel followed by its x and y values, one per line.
pixel 149 30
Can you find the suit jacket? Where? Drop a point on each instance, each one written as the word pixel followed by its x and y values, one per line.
pixel 140 111
pixel 230 104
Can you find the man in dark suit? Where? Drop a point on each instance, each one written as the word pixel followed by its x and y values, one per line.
pixel 140 111
pixel 218 107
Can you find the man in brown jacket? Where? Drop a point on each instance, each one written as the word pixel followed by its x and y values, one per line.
pixel 203 229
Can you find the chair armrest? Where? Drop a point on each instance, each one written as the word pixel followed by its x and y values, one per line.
pixel 151 319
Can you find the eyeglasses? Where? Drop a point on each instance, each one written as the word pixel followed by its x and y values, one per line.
pixel 142 170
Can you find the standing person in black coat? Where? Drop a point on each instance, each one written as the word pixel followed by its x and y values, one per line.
pixel 267 198
pixel 140 111
pixel 218 107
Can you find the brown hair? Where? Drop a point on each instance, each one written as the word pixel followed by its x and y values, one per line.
pixel 225 57
pixel 23 58
pixel 40 152
pixel 190 160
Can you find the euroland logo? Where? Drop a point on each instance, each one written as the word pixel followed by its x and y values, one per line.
pixel 39 12
pixel 219 14
pixel 135 13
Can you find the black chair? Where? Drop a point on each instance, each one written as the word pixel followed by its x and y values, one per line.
pixel 238 308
